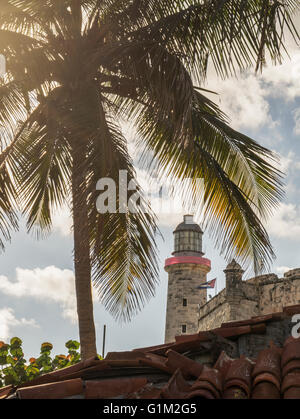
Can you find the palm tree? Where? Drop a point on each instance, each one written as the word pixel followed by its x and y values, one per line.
pixel 77 67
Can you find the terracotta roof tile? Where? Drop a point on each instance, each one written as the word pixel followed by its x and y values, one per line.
pixel 56 390
pixel 228 332
pixel 268 361
pixel 291 366
pixel 185 346
pixel 156 361
pixel 265 390
pixel 109 388
pixel 237 323
pixel 239 375
pixel 210 380
pixel 127 355
pixel 212 376
pixel 266 377
pixel 6 391
pixel 157 349
pixel 204 390
pixel 176 388
pixel 203 365
pixel 291 351
pixel 199 337
pixel 200 393
pixel 255 320
pixel 124 363
pixel 189 368
pixel 292 393
pixel 82 373
pixel 223 363
pixel 258 328
pixel 291 310
pixel 149 391
pixel 290 380
pixel 65 373
pixel 234 393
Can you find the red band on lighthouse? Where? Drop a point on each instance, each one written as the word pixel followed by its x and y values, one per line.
pixel 187 259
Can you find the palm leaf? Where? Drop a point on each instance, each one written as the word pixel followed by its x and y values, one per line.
pixel 234 34
pixel 74 67
pixel 122 245
pixel 240 183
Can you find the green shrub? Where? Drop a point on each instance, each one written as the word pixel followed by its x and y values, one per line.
pixel 15 370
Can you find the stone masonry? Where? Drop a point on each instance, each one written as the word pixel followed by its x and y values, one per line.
pixel 241 300
pixel 184 298
pixel 188 310
pixel 187 271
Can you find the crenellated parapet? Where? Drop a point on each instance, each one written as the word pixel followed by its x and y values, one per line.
pixel 242 299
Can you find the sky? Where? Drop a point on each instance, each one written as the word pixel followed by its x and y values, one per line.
pixel 37 299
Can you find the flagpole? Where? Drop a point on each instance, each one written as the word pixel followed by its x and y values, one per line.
pixel 103 344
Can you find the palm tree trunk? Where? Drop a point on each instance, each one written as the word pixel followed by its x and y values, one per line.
pixel 82 260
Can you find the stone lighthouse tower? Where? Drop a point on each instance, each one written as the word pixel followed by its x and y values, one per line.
pixel 187 270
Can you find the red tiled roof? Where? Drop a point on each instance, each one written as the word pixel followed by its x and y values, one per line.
pixel 179 370
pixel 105 389
pixel 56 390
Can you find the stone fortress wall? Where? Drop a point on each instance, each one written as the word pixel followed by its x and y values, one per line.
pixel 241 300
pixel 187 307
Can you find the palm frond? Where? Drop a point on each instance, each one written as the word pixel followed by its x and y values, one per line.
pixel 14 18
pixel 148 73
pixel 241 186
pixel 233 34
pixel 8 207
pixel 40 165
pixel 122 244
pixel 72 65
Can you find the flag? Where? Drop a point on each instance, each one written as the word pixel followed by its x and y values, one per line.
pixel 208 284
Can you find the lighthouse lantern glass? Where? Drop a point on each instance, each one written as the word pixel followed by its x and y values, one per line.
pixel 188 241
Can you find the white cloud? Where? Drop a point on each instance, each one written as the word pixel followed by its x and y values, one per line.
pixel 288 162
pixel 166 200
pixel 285 222
pixel 285 161
pixel 50 284
pixel 244 98
pixel 8 320
pixel 62 221
pixel 297 121
pixel 244 101
pixel 282 269
pixel 283 80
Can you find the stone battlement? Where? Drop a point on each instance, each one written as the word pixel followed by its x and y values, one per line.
pixel 243 299
pixel 187 307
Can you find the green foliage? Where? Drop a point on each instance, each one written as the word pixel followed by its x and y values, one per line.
pixel 77 69
pixel 14 369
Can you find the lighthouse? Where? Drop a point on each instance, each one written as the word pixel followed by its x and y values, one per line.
pixel 187 270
